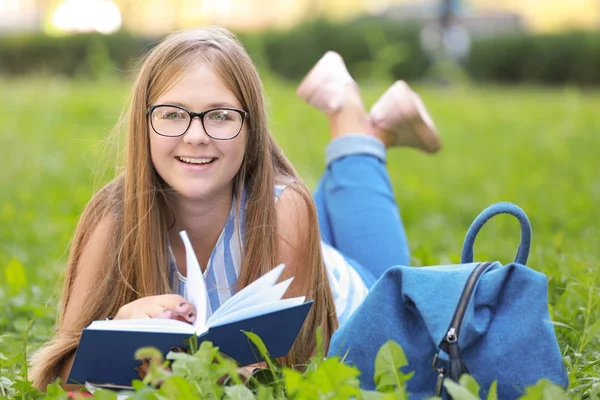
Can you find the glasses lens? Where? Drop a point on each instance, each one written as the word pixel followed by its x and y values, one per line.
pixel 223 124
pixel 170 121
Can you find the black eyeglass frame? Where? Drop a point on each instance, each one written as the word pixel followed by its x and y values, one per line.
pixel 200 115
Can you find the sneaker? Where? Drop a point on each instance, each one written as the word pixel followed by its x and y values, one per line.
pixel 401 112
pixel 323 86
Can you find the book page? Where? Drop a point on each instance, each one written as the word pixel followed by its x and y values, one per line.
pixel 195 288
pixel 263 283
pixel 255 311
pixel 143 325
pixel 266 295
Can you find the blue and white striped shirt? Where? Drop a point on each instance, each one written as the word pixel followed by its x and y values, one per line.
pixel 225 261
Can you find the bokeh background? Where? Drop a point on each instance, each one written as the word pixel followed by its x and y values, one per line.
pixel 512 86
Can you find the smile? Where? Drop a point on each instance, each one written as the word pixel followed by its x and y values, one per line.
pixel 188 160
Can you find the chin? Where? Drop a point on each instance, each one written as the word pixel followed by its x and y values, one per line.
pixel 195 195
pixel 191 190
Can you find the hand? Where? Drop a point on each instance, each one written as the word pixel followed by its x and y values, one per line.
pixel 170 306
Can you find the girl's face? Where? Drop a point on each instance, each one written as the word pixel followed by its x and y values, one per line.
pixel 195 165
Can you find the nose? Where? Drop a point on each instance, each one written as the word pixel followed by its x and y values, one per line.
pixel 196 133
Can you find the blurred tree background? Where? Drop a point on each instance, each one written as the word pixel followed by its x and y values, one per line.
pixel 549 42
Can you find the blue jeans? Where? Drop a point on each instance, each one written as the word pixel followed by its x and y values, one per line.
pixel 358 214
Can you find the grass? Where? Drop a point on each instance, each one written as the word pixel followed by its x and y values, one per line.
pixel 536 147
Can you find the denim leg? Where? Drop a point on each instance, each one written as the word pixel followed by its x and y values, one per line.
pixel 356 204
pixel 323 218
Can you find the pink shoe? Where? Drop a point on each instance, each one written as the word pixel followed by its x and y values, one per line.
pixel 323 86
pixel 401 112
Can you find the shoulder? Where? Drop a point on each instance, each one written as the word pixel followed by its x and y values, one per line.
pixel 97 228
pixel 102 231
pixel 92 244
pixel 293 203
pixel 101 217
pixel 296 216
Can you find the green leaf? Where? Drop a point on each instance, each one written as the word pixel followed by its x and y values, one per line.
pixel 25 387
pixel 371 395
pixel 137 384
pixel 264 393
pixel 493 392
pixel 262 349
pixel 149 353
pixel 239 392
pixel 469 383
pixel 55 392
pixel 177 387
pixel 105 395
pixel 293 381
pixel 459 392
pixel 4 381
pixel 333 379
pixel 544 390
pixel 192 342
pixel 14 274
pixel 593 332
pixel 319 357
pixel 319 339
pixel 390 358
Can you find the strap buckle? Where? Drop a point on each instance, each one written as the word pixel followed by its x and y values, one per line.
pixel 440 379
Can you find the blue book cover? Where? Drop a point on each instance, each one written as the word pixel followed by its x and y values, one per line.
pixel 105 355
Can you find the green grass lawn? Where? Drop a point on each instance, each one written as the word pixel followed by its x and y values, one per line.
pixel 537 147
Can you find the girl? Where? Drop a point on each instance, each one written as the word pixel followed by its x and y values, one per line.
pixel 200 158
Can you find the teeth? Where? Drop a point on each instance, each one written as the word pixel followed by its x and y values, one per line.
pixel 196 160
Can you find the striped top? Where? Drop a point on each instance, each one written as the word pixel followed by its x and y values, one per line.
pixel 225 261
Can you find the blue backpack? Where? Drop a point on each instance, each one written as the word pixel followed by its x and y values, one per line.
pixel 481 318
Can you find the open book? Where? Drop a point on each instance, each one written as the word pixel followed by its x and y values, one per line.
pixel 105 355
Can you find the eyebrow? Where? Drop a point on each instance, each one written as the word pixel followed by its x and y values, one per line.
pixel 208 106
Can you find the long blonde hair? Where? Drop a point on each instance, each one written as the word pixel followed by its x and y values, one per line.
pixel 136 258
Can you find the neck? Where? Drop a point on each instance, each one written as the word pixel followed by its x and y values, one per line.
pixel 203 221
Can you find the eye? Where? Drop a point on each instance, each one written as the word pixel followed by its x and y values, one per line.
pixel 170 114
pixel 219 115
pixel 175 115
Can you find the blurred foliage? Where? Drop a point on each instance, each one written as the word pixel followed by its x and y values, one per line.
pixel 372 48
pixel 90 55
pixel 572 57
pixel 369 46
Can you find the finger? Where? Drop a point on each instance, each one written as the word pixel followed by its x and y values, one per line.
pixel 157 311
pixel 170 301
pixel 185 313
pixel 138 314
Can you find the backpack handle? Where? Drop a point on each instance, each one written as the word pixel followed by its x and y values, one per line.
pixel 493 210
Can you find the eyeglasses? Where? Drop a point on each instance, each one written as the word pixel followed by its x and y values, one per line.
pixel 219 123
